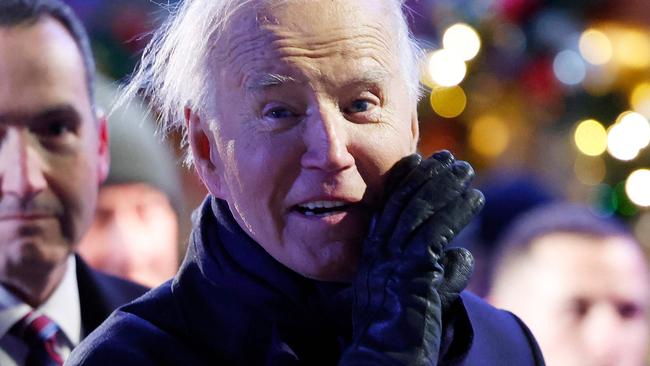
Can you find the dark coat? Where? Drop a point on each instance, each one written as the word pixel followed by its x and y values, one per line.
pixel 233 304
pixel 100 294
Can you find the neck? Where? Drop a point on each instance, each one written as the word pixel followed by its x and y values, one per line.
pixel 34 287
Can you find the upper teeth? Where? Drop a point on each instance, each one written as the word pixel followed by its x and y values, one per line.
pixel 322 204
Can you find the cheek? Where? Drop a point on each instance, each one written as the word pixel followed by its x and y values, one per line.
pixel 376 152
pixel 73 180
pixel 260 175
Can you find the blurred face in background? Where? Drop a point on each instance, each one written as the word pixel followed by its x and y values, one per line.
pixel 314 113
pixel 585 299
pixel 53 151
pixel 134 234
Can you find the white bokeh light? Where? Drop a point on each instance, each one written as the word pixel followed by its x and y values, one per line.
pixel 637 128
pixel 462 40
pixel 618 143
pixel 637 187
pixel 446 68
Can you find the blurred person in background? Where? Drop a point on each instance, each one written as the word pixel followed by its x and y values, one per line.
pixel 53 157
pixel 135 231
pixel 323 239
pixel 580 282
pixel 508 194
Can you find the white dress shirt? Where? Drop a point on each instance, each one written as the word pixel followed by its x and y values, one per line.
pixel 62 307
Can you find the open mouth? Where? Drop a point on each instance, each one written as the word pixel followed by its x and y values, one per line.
pixel 322 208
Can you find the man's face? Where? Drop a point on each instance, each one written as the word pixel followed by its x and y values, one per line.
pixel 133 235
pixel 52 150
pixel 313 112
pixel 584 298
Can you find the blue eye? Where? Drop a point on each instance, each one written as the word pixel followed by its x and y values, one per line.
pixel 359 105
pixel 279 113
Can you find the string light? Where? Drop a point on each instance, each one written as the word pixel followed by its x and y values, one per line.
pixel 448 102
pixel 446 68
pixel 489 136
pixel 569 68
pixel 462 40
pixel 590 137
pixel 636 187
pixel 640 99
pixel 595 47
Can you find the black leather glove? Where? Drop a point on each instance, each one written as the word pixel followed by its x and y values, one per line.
pixel 402 285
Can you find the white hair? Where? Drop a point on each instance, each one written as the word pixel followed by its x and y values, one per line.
pixel 174 72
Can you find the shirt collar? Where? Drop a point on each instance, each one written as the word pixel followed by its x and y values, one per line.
pixel 62 306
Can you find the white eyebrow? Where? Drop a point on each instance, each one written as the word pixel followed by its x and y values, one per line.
pixel 266 81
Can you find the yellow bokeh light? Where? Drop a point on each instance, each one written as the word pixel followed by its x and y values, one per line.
pixel 637 128
pixel 489 136
pixel 618 143
pixel 632 49
pixel 595 47
pixel 448 102
pixel 637 187
pixel 640 99
pixel 589 170
pixel 591 137
pixel 446 68
pixel 462 40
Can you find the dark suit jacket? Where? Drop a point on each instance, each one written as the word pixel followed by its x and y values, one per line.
pixel 100 294
pixel 233 304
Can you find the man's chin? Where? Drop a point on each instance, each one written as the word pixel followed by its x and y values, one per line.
pixel 337 267
pixel 35 256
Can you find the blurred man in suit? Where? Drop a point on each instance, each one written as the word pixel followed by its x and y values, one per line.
pixel 53 156
pixel 581 283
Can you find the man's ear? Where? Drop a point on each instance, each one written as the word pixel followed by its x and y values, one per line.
pixel 103 149
pixel 202 143
pixel 415 130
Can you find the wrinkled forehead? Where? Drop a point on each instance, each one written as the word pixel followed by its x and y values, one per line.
pixel 317 27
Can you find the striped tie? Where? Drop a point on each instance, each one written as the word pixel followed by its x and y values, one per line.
pixel 39 333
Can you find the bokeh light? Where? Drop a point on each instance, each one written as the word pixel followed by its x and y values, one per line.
pixel 462 40
pixel 637 187
pixel 642 229
pixel 604 199
pixel 569 68
pixel 589 170
pixel 640 99
pixel 448 102
pixel 624 205
pixel 632 48
pixel 595 47
pixel 446 68
pixel 591 137
pixel 510 38
pixel 618 143
pixel 489 136
pixel 637 128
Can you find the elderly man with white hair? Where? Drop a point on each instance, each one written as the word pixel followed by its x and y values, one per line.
pixel 323 237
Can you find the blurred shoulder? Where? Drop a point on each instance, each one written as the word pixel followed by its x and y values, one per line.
pixel 148 331
pixel 500 337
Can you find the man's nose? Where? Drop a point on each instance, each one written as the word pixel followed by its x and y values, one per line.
pixel 327 141
pixel 602 331
pixel 21 167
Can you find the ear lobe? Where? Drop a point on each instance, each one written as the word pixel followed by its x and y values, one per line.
pixel 415 130
pixel 201 140
pixel 103 150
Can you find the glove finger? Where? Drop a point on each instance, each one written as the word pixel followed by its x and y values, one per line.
pixel 433 236
pixel 437 193
pixel 399 171
pixel 458 265
pixel 396 202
